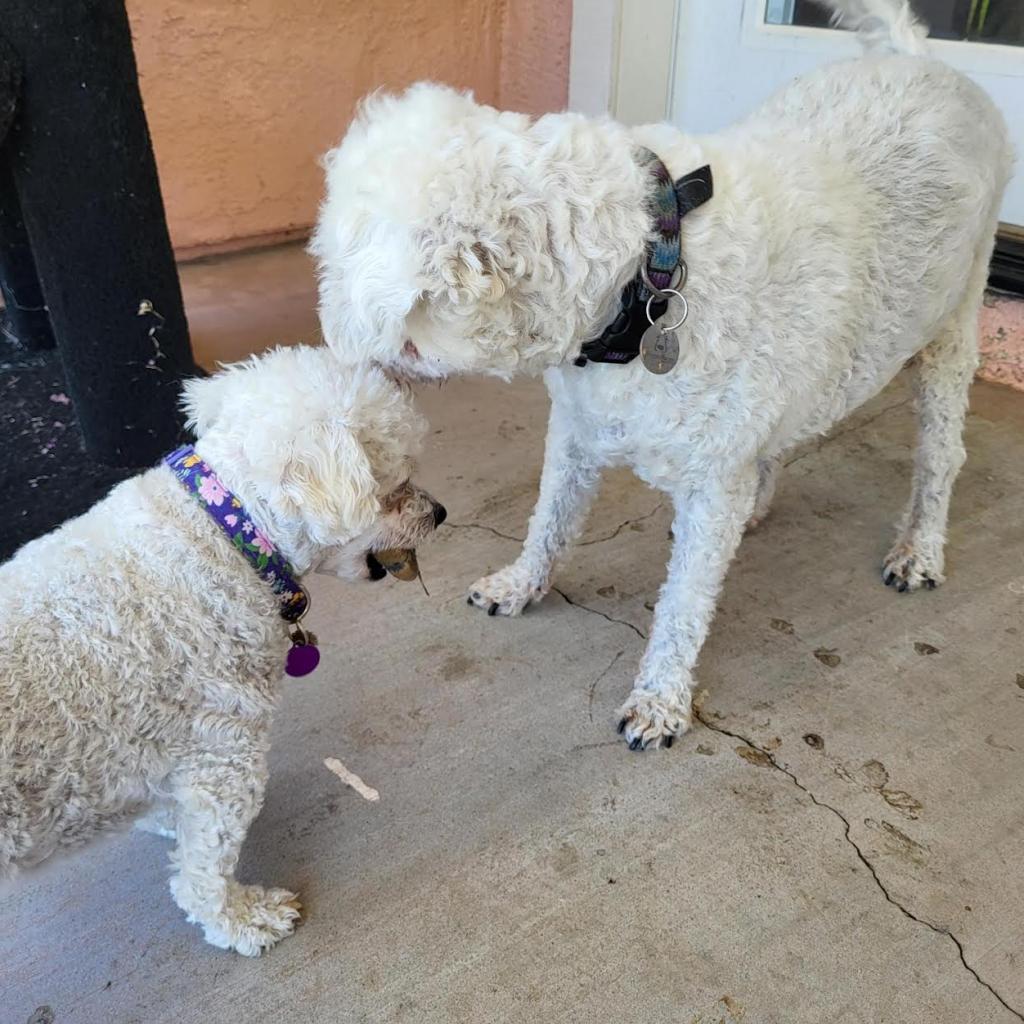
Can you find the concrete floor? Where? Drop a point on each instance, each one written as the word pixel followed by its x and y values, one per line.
pixel 837 841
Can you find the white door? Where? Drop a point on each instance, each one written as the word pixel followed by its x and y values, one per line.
pixel 704 64
pixel 729 56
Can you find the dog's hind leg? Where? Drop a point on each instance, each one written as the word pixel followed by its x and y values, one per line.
pixel 567 486
pixel 942 374
pixel 218 796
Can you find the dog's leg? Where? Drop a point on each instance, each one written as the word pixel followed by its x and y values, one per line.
pixel 567 485
pixel 217 799
pixel 707 528
pixel 767 477
pixel 942 374
pixel 159 820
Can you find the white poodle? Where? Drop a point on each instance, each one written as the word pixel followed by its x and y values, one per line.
pixel 849 232
pixel 140 652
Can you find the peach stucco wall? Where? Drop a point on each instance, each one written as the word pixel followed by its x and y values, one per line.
pixel 243 96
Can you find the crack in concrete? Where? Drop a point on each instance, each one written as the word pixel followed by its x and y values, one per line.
pixel 860 853
pixel 593 685
pixel 618 529
pixel 594 611
pixel 582 544
pixel 843 433
pixel 488 529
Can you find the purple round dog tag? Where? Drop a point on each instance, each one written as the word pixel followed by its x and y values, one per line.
pixel 302 659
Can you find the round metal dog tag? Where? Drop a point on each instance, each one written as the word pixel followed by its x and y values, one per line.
pixel 659 350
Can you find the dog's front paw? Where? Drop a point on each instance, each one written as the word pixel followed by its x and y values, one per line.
pixel 506 592
pixel 909 567
pixel 253 919
pixel 648 719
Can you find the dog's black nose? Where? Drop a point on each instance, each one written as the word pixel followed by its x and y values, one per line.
pixel 440 514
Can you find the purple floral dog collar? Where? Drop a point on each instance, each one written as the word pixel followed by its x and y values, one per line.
pixel 253 544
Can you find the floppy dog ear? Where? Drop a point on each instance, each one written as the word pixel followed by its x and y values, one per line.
pixel 473 269
pixel 327 481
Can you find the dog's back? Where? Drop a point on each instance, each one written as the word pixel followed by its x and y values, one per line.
pixel 113 634
pixel 898 115
pixel 930 150
pixel 927 138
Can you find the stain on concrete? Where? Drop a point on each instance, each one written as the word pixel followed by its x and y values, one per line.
pixel 991 741
pixel 565 859
pixel 876 774
pixel 898 842
pixel 922 648
pixel 457 666
pixel 901 801
pixel 753 756
pixel 782 626
pixel 827 656
pixel 814 741
pixel 736 1011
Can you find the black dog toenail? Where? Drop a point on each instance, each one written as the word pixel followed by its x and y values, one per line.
pixel 493 610
pixel 890 579
pixel 469 600
pixel 669 740
pixel 902 588
pixel 931 584
pixel 622 726
pixel 636 744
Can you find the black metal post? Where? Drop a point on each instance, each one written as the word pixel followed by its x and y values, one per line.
pixel 82 163
pixel 26 320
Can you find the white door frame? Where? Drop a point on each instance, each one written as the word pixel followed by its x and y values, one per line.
pixel 622 58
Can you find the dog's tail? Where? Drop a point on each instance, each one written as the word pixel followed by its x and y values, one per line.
pixel 882 24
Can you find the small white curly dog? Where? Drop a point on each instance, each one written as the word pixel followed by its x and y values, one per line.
pixel 140 655
pixel 849 231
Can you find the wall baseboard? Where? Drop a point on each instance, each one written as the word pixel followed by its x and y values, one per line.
pixel 192 253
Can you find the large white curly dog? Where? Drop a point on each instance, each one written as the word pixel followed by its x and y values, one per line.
pixel 140 654
pixel 849 232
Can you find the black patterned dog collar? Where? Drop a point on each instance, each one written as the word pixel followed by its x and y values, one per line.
pixel 671 201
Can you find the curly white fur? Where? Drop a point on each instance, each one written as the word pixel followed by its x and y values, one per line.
pixel 850 231
pixel 140 654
